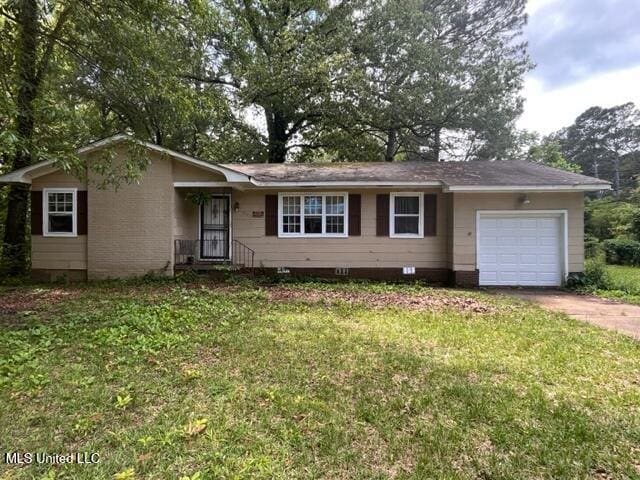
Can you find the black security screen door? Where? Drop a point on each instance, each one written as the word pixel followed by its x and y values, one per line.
pixel 214 228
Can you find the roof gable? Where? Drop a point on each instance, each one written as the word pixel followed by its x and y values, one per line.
pixel 26 174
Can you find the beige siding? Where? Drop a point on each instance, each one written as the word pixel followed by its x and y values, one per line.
pixel 465 206
pixel 58 253
pixel 58 179
pixel 130 230
pixel 367 250
pixel 186 217
pixel 183 172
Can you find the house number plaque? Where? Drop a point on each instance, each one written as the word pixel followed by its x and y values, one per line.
pixel 258 213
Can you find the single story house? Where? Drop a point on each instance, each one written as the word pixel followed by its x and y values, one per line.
pixel 469 223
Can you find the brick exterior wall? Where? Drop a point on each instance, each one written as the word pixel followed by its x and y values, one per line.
pixel 466 278
pixel 130 230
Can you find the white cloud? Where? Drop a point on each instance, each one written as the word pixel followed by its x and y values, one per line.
pixel 548 110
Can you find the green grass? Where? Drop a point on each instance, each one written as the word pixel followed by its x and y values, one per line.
pixel 625 284
pixel 170 381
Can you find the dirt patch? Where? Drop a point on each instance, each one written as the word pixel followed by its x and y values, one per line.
pixel 381 300
pixel 20 300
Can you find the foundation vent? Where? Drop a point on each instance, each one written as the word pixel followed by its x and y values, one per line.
pixel 342 271
pixel 409 270
pixel 283 270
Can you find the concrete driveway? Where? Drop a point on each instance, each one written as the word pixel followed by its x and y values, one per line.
pixel 621 317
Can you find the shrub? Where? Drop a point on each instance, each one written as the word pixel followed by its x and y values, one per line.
pixel 619 251
pixel 609 218
pixel 592 247
pixel 594 277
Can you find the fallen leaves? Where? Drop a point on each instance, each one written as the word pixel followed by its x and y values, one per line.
pixel 381 300
pixel 19 300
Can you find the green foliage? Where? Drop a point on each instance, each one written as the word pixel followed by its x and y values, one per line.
pixel 601 140
pixel 608 218
pixel 594 277
pixel 197 197
pixel 620 251
pixel 624 284
pixel 592 247
pixel 548 153
pixel 305 387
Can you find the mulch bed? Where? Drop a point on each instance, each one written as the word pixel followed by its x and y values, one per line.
pixel 381 300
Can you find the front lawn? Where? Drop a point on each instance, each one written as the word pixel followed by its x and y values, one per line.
pixel 312 380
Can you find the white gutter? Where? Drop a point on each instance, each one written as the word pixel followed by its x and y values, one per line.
pixel 527 188
pixel 366 184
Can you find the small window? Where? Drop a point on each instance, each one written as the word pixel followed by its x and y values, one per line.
pixel 406 215
pixel 316 215
pixel 59 210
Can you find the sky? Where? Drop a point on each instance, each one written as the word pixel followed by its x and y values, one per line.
pixel 587 53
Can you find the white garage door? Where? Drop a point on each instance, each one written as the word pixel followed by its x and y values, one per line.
pixel 518 249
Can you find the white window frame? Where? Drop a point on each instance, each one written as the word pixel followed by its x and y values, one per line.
pixel 45 212
pixel 392 215
pixel 324 215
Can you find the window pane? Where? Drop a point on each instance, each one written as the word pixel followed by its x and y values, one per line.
pixel 312 224
pixel 291 224
pixel 335 224
pixel 407 205
pixel 313 205
pixel 406 225
pixel 51 200
pixel 335 205
pixel 291 205
pixel 61 223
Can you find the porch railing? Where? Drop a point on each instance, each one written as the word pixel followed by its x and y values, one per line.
pixel 242 255
pixel 201 252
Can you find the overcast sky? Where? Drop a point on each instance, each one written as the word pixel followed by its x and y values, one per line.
pixel 587 53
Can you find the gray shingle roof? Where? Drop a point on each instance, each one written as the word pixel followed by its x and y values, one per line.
pixel 474 173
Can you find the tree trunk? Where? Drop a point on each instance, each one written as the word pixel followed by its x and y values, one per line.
pixel 15 237
pixel 616 175
pixel 392 145
pixel 437 145
pixel 277 130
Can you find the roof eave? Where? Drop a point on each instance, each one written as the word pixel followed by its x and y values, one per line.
pixel 344 183
pixel 528 188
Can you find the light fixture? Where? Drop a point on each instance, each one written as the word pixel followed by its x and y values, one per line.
pixel 524 200
pixel 236 207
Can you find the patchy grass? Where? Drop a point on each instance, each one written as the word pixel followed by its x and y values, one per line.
pixel 312 380
pixel 624 284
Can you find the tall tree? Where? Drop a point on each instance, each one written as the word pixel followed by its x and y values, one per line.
pixel 36 33
pixel 75 70
pixel 602 137
pixel 437 75
pixel 282 57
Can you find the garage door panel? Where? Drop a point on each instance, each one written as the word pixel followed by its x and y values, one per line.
pixel 519 250
pixel 488 277
pixel 507 277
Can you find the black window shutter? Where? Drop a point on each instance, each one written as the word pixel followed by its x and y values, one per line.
pixel 271 215
pixel 355 205
pixel 36 213
pixel 430 214
pixel 382 215
pixel 82 215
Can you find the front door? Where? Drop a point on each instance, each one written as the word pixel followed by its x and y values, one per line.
pixel 214 228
